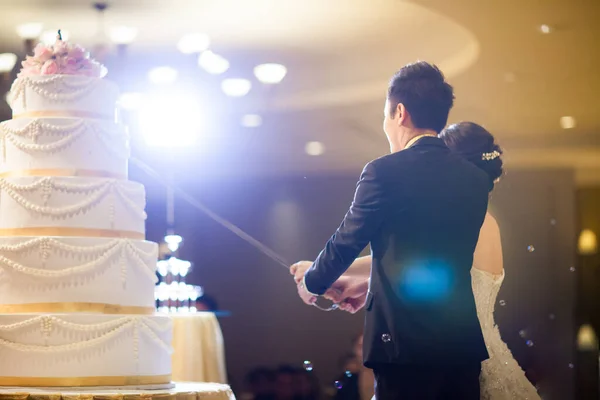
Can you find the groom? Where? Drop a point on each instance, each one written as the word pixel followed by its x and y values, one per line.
pixel 420 208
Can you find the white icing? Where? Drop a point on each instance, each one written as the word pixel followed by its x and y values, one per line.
pixel 75 202
pixel 58 93
pixel 63 143
pixel 75 345
pixel 73 270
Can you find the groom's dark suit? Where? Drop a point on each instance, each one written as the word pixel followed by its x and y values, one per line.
pixel 421 209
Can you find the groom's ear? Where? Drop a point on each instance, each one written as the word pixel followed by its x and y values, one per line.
pixel 401 114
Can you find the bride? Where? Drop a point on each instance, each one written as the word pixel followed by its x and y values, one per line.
pixel 501 377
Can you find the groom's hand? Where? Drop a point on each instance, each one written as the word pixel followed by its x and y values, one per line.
pixel 307 298
pixel 299 269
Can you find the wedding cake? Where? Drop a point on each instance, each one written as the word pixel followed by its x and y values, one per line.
pixel 76 275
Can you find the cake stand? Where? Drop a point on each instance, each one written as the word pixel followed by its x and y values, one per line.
pixel 181 391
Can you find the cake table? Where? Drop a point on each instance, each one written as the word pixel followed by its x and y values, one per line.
pixel 198 353
pixel 182 391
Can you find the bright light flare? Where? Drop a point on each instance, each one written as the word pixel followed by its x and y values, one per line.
pixel 162 75
pixel 170 121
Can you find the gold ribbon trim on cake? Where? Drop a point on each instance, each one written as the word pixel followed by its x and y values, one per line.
pixel 62 172
pixel 85 381
pixel 73 307
pixel 64 231
pixel 65 114
pixel 205 391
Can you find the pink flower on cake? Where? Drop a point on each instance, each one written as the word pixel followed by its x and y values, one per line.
pixel 70 66
pixel 42 53
pixel 61 58
pixel 60 48
pixel 77 52
pixel 49 68
pixel 30 67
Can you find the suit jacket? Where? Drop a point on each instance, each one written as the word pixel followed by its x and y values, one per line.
pixel 421 210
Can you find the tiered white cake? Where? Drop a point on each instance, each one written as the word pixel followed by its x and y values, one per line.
pixel 76 275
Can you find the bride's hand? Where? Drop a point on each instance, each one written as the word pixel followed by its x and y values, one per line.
pixel 353 305
pixel 349 292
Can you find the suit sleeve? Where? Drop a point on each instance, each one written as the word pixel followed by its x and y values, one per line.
pixel 361 222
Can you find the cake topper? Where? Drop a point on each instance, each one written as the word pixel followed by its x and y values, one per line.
pixel 61 58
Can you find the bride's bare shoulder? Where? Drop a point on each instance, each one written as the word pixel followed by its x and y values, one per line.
pixel 488 252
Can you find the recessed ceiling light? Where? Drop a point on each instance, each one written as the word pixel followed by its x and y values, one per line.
pixel 30 30
pixel 270 73
pixel 545 29
pixel 7 62
pixel 314 148
pixel 236 87
pixel 251 121
pixel 212 63
pixel 567 122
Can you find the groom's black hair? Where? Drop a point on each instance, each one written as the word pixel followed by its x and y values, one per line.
pixel 426 95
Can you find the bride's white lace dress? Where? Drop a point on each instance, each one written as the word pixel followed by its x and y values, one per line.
pixel 501 376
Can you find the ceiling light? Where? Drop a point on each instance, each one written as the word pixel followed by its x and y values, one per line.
pixel 236 87
pixel 545 29
pixel 193 43
pixel 49 37
pixel 173 241
pixel 251 121
pixel 212 63
pixel 162 75
pixel 29 31
pixel 123 34
pixel 130 101
pixel 270 73
pixel 567 122
pixel 7 62
pixel 314 148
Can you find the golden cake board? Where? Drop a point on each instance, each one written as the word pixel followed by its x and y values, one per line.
pixel 181 391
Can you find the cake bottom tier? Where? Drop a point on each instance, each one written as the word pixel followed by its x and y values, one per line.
pixel 181 391
pixel 84 350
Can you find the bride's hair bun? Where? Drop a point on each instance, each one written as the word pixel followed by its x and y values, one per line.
pixel 477 145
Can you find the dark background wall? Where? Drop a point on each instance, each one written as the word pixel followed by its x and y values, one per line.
pixel 295 216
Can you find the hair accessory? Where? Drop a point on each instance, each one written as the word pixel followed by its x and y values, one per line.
pixel 490 156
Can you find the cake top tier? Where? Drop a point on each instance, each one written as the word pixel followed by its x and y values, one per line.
pixel 62 81
pixel 61 58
